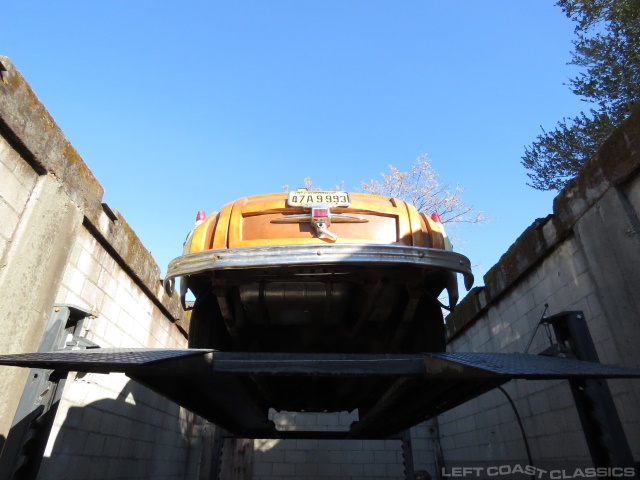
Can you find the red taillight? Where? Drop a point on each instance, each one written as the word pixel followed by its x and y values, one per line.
pixel 200 217
pixel 447 243
pixel 320 212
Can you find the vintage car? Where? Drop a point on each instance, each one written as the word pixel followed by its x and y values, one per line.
pixel 318 272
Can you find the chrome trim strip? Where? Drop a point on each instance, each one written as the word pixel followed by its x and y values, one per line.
pixel 306 217
pixel 298 218
pixel 344 218
pixel 312 255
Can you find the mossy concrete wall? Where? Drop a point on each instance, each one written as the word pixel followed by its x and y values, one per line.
pixel 59 244
pixel 585 256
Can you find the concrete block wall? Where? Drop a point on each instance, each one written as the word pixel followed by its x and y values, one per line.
pixel 60 245
pixel 485 429
pixel 109 423
pixel 321 459
pixel 583 257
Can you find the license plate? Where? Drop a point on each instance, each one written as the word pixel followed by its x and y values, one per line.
pixel 313 199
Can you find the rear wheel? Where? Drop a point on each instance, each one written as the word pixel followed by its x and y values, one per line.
pixel 429 334
pixel 206 327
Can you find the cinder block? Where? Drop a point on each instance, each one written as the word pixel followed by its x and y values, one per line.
pixel 373 470
pixel 539 403
pixel 466 439
pixel 482 336
pixel 94 444
pixel 112 445
pixel 91 418
pixel 161 336
pixel 124 298
pixel 306 419
pixel 525 305
pixel 125 428
pixel 340 456
pixel 354 470
pixel 138 333
pixel 107 283
pixel 554 422
pixel 328 419
pixel 262 468
pixel 373 445
pixel 12 191
pixel 84 262
pixel 318 456
pixel 306 469
pixel 283 469
pixel 395 471
pixel 466 424
pixel 113 336
pixel 334 445
pixel 9 219
pixel 572 445
pixel 422 444
pixel 306 444
pixel 91 294
pixel 626 402
pixel 448 443
pixel 274 456
pixel 542 292
pixel 364 456
pixel 142 431
pixel 392 444
pixel 295 456
pixel 9 158
pixel 385 456
pixel 73 279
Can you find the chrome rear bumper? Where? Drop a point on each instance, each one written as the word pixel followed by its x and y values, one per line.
pixel 316 255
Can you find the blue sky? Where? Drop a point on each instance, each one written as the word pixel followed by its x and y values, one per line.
pixel 181 106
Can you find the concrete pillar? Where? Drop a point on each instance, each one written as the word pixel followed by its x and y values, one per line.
pixel 39 250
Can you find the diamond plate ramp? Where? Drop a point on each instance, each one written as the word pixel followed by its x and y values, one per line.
pixel 107 360
pixel 518 365
pixel 184 376
pixel 195 362
pixel 452 379
pixel 219 386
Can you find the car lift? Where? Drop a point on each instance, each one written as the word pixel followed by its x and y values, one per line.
pixel 209 383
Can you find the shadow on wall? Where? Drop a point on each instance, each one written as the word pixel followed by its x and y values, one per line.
pixel 137 435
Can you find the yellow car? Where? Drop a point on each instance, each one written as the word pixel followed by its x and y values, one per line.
pixel 318 271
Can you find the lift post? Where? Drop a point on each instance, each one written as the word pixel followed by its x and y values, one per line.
pixel 607 442
pixel 29 433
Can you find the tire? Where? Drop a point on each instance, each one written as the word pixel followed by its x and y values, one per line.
pixel 207 328
pixel 430 333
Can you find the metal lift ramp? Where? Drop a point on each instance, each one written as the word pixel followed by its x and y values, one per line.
pixel 210 383
pixel 217 385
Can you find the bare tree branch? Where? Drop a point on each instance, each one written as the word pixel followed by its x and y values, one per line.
pixel 422 188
